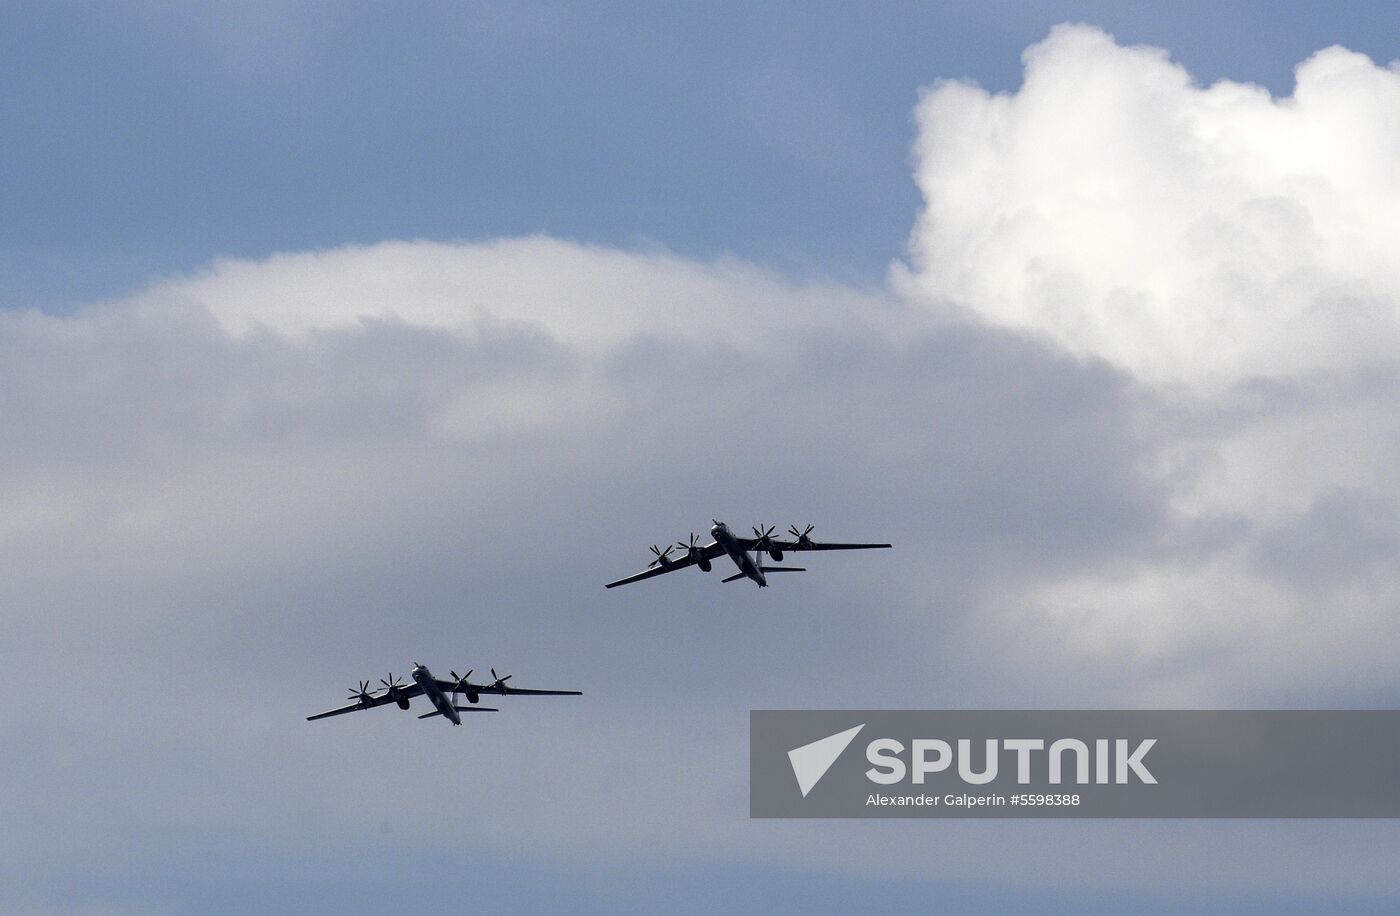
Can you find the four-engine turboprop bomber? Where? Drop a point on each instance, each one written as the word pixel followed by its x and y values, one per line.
pixel 738 548
pixel 441 693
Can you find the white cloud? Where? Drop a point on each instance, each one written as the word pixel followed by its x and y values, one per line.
pixel 1185 232
pixel 245 488
pixel 1234 252
pixel 238 492
pixel 581 295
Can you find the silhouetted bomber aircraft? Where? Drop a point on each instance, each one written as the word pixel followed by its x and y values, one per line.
pixel 441 693
pixel 738 549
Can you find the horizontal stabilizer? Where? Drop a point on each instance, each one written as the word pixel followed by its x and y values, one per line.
pixel 734 578
pixel 429 715
pixel 769 569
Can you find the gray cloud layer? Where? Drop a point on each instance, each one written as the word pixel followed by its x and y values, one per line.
pixel 236 493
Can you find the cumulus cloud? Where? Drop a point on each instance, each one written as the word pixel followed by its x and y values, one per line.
pixel 238 497
pixel 1187 232
pixel 235 492
pixel 1233 252
pixel 587 296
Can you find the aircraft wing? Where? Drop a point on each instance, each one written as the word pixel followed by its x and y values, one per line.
pixel 798 545
pixel 752 543
pixel 711 551
pixel 532 692
pixel 410 691
pixel 446 687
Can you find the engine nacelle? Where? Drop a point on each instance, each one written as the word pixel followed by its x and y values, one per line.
pixel 777 555
pixel 473 698
pixel 704 564
pixel 403 702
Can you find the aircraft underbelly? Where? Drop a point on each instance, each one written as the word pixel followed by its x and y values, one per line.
pixel 741 559
pixel 748 567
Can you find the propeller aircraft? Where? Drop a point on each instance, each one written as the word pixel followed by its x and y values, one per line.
pixel 442 693
pixel 737 549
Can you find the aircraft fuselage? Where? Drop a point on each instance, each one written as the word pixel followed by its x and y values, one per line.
pixel 441 701
pixel 720 532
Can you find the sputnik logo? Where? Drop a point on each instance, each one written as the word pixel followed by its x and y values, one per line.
pixel 811 761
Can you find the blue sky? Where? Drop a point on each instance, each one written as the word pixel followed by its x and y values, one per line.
pixel 143 138
pixel 335 337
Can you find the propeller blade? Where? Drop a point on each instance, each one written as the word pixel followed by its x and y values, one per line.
pixel 363 694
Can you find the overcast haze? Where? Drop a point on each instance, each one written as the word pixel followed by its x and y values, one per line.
pixel 324 353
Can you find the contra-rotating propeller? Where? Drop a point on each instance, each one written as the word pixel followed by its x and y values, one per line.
pixel 663 557
pixel 765 538
pixel 766 543
pixel 801 536
pixel 500 683
pixel 696 552
pixel 364 694
pixel 461 682
pixel 392 685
